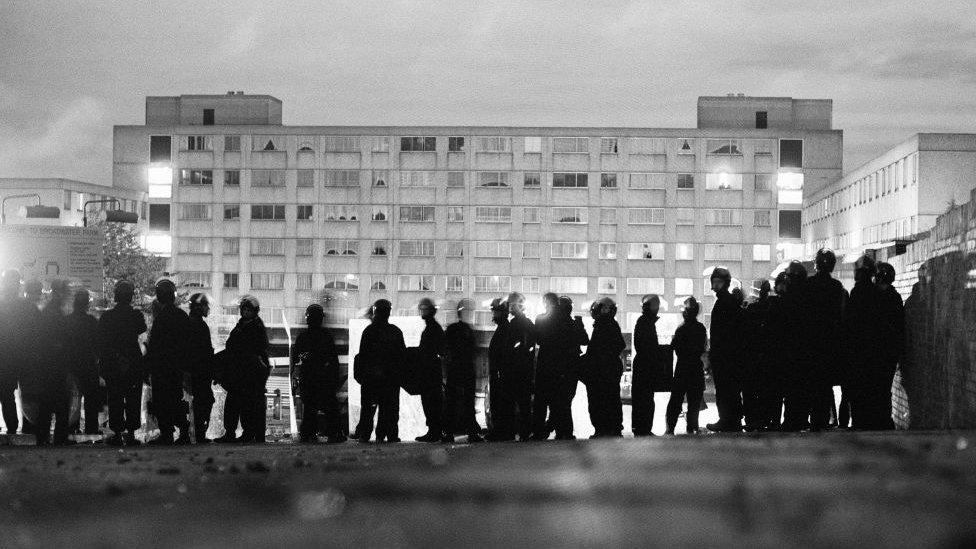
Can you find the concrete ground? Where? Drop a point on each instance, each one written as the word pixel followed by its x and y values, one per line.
pixel 904 489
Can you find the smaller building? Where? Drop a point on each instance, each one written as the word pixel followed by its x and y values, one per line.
pixel 69 196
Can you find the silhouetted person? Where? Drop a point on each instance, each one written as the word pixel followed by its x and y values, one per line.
pixel 543 383
pixel 646 362
pixel 723 354
pixel 121 364
pixel 754 344
pixel 430 352
pixel 18 347
pixel 557 370
pixel 166 356
pixel 862 331
pixel 891 325
pixel 778 345
pixel 380 361
pixel 797 374
pixel 501 355
pixel 459 366
pixel 47 388
pixel 828 299
pixel 522 368
pixel 315 361
pixel 604 369
pixel 83 338
pixel 689 343
pixel 246 366
pixel 200 365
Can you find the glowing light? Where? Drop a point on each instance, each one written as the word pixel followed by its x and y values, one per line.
pixel 159 244
pixel 787 196
pixel 160 175
pixel 789 181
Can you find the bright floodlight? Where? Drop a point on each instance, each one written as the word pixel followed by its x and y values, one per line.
pixel 789 181
pixel 159 244
pixel 160 175
pixel 787 196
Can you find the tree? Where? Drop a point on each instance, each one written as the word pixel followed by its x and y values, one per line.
pixel 125 259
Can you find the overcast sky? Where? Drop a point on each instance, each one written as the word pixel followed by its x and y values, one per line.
pixel 68 73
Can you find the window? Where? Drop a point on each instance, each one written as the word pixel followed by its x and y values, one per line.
pixel 303 247
pixel 531 215
pixel 380 178
pixel 231 280
pixel 267 281
pixel 379 213
pixel 684 286
pixel 722 252
pixel 568 250
pixel 647 145
pixel 379 284
pixel 306 144
pixel 493 248
pixel 341 212
pixel 305 212
pixel 686 181
pixel 341 247
pixel 455 144
pixel 531 250
pixel 723 181
pixel 645 216
pixel 417 248
pixel 267 246
pixel 341 178
pixel 762 147
pixel 455 248
pixel 531 285
pixel 608 181
pixel 197 143
pixel 608 216
pixel 493 179
pixel 418 144
pixel 532 145
pixel 454 283
pixel 492 284
pixel 790 153
pixel 268 143
pixel 381 144
pixel 379 247
pixel 494 144
pixel 568 284
pixel 569 179
pixel 415 283
pixel 723 147
pixel 267 178
pixel 160 148
pixel 196 177
pixel 608 145
pixel 232 212
pixel 531 180
pixel 342 282
pixel 306 178
pixel 723 217
pixel 761 120
pixel 208 117
pixel 569 215
pixel 160 182
pixel 647 181
pixel 232 143
pixel 341 143
pixel 686 146
pixel 232 246
pixel 303 281
pixel 763 182
pixel 493 214
pixel 760 252
pixel 195 212
pixel 606 285
pixel 684 252
pixel 424 214
pixel 268 212
pixel 232 178
pixel 608 250
pixel 189 245
pixel 416 179
pixel 570 145
pixel 645 250
pixel 761 218
pixel 455 179
pixel 455 214
pixel 643 286
pixel 789 223
pixel 66 196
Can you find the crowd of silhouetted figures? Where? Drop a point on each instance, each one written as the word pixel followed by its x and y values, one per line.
pixel 775 361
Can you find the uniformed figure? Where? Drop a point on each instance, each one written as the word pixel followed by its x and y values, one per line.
pixel 47 388
pixel 557 371
pixel 542 384
pixel 431 352
pixel 200 365
pixel 121 364
pixel 379 364
pixel 891 327
pixel 459 366
pixel 689 343
pixel 83 337
pixel 797 374
pixel 862 330
pixel 315 361
pixel 603 368
pixel 646 362
pixel 245 366
pixel 18 349
pixel 724 354
pixel 166 357
pixel 501 354
pixel 521 371
pixel 827 300
pixel 777 342
pixel 754 344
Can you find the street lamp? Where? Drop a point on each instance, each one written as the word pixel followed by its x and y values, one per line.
pixel 33 212
pixel 114 216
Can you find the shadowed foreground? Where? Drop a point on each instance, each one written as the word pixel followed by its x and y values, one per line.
pixel 898 489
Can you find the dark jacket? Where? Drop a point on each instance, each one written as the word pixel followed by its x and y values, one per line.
pixel 54 363
pixel 647 355
pixel 891 326
pixel 725 342
pixel 381 355
pixel 83 340
pixel 862 327
pixel 199 349
pixel 430 352
pixel 316 361
pixel 459 353
pixel 559 341
pixel 19 344
pixel 118 343
pixel 689 345
pixel 523 341
pixel 603 363
pixel 166 350
pixel 500 354
pixel 245 365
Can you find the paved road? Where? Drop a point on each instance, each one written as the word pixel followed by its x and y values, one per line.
pixel 904 489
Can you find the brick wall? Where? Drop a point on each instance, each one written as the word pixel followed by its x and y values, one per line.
pixel 935 387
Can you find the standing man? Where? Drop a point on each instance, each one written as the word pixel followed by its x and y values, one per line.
pixel 519 378
pixel 378 366
pixel 121 364
pixel 604 370
pixel 83 330
pixel 689 342
pixel 47 386
pixel 431 371
pixel 723 354
pixel 166 354
pixel 646 362
pixel 315 360
pixel 18 355
pixel 827 300
pixel 754 315
pixel 863 334
pixel 459 414
pixel 200 366
pixel 546 359
pixel 500 356
pixel 778 347
pixel 891 325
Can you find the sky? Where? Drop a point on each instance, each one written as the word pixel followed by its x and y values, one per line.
pixel 69 71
